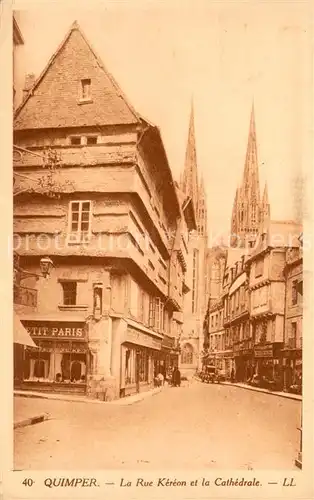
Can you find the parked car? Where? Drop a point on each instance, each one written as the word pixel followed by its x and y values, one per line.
pixel 211 374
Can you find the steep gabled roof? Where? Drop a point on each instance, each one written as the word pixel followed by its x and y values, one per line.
pixel 53 101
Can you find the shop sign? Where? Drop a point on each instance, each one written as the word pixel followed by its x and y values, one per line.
pixel 142 339
pixel 264 352
pixel 168 342
pixel 228 355
pixel 57 330
pixel 247 352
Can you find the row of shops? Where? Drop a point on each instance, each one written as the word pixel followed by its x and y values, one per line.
pixel 65 358
pixel 270 361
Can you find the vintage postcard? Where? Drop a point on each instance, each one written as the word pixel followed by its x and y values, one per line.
pixel 157 170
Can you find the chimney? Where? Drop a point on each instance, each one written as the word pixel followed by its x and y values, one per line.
pixel 29 82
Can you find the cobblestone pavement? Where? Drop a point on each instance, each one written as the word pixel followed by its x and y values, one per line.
pixel 197 426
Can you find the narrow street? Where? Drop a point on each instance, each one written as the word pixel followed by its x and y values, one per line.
pixel 196 426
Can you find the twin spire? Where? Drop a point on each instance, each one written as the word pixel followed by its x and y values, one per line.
pixel 189 180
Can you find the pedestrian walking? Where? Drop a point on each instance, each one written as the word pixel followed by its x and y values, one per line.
pixel 176 377
pixel 161 378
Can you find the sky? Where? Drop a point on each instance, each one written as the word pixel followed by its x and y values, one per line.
pixel 221 54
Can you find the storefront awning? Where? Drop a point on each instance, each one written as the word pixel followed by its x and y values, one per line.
pixel 21 335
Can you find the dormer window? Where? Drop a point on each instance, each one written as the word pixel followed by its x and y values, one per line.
pixel 85 89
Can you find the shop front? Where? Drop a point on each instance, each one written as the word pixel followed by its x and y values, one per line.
pixel 227 363
pixel 168 358
pixel 139 353
pixel 244 364
pixel 61 360
pixel 292 370
pixel 268 362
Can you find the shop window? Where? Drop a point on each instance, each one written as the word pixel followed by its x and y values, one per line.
pixel 39 368
pixel 79 221
pixel 294 293
pixel 187 355
pixel 129 366
pixel 76 371
pixel 73 367
pixel 143 365
pixel 69 293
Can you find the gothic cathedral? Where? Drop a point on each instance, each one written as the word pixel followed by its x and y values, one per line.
pixel 195 302
pixel 249 210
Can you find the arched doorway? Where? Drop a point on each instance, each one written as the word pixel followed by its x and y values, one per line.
pixel 187 355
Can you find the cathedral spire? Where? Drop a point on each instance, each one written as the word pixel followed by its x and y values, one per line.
pixel 265 206
pixel 189 180
pixel 202 209
pixel 248 210
pixel 250 184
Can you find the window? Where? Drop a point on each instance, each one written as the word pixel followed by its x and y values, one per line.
pixel 69 293
pixel 253 219
pixel 294 293
pixel 187 355
pixel 91 140
pixel 157 313
pixel 141 305
pixel 130 366
pixel 259 268
pixel 294 330
pixel 143 365
pixel 85 89
pixel 80 220
pixel 39 368
pixel 151 317
pixel 195 281
pixel 76 141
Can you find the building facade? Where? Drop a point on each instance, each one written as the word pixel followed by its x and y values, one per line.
pixel 96 195
pixel 195 304
pixel 267 282
pixel 239 317
pixel 292 354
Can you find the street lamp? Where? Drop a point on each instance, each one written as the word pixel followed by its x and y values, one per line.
pixel 45 266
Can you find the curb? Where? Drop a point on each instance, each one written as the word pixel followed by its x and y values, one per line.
pixel 286 395
pixel 31 421
pixel 118 402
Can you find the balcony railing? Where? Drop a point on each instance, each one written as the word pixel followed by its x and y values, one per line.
pixel 25 296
